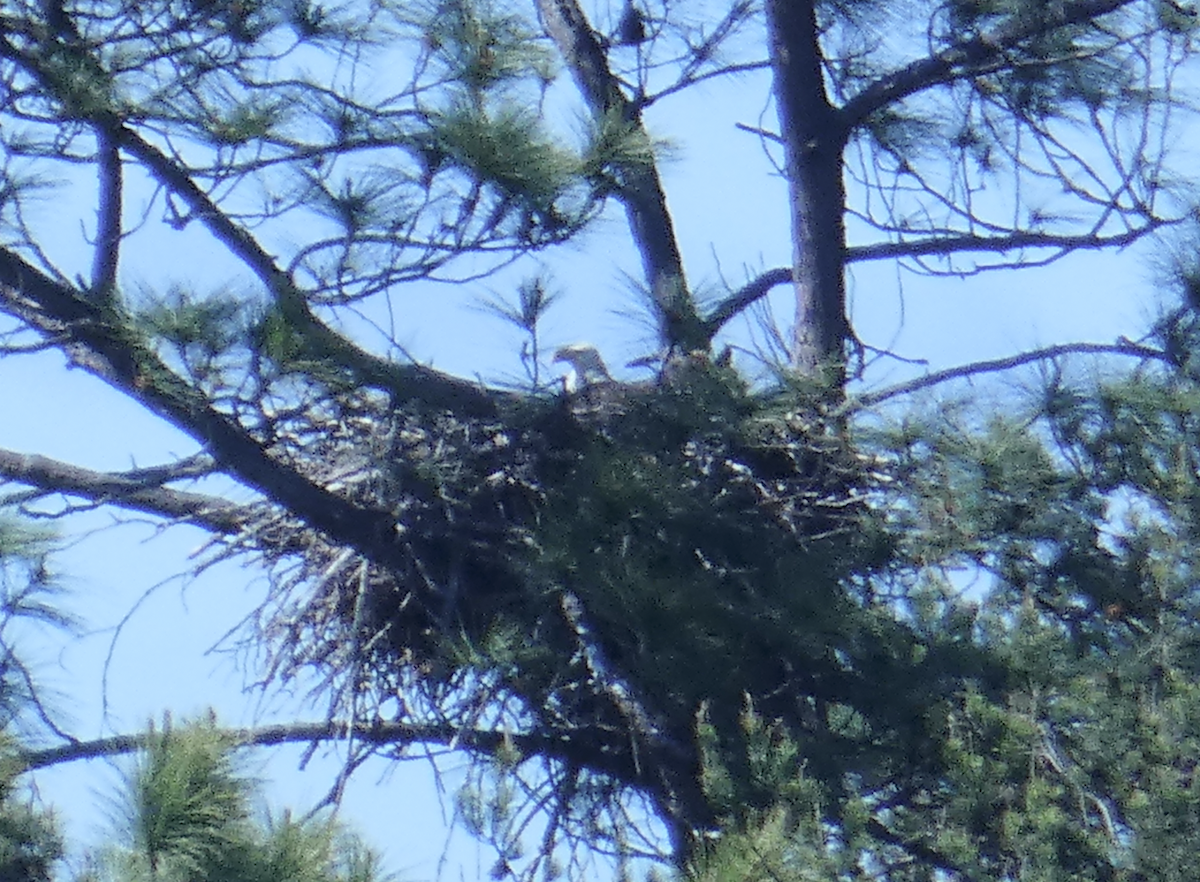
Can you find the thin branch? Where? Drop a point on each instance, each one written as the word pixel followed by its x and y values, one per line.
pixel 957 244
pixel 761 132
pixel 406 382
pixel 966 58
pixel 726 70
pixel 759 287
pixel 1132 350
pixel 137 491
pixel 108 214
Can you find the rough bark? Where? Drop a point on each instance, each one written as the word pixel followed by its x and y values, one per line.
pixel 641 189
pixel 813 140
pixel 95 340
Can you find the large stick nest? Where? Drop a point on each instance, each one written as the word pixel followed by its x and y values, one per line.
pixel 604 563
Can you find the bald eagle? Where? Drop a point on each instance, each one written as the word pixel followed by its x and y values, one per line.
pixel 587 368
pixel 587 371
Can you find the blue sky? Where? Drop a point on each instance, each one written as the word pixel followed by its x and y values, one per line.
pixel 731 216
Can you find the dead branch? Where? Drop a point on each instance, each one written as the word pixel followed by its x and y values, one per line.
pixel 131 490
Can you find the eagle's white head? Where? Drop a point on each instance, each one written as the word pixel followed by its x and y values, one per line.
pixel 587 367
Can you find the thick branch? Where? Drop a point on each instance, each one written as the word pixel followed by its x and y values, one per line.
pixel 610 756
pixel 96 339
pixel 290 733
pixel 744 298
pixel 383 735
pixel 641 188
pixel 966 58
pixel 605 753
pixel 108 216
pixel 619 692
pixel 127 490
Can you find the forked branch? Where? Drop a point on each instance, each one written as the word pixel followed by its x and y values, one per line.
pixel 131 490
pixel 99 341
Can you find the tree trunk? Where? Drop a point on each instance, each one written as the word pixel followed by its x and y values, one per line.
pixel 813 141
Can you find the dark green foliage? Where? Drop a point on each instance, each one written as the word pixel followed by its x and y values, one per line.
pixel 815 642
pixel 1052 570
pixel 188 809
pixel 191 817
pixel 30 845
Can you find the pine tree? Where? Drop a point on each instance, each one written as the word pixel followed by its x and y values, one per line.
pixel 732 601
pixel 30 844
pixel 190 815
